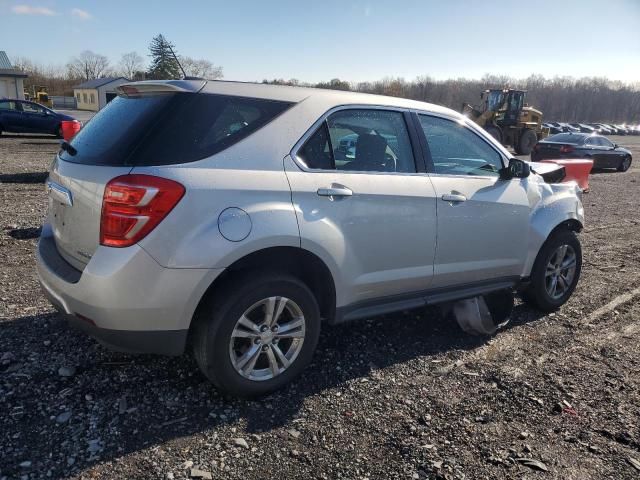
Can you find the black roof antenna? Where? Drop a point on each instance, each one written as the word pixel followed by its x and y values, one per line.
pixel 184 75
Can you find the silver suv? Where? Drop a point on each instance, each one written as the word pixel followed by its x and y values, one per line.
pixel 237 218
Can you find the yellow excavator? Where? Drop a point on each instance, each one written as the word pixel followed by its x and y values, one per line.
pixel 505 116
pixel 40 96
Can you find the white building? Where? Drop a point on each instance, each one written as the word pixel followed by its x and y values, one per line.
pixel 11 80
pixel 95 94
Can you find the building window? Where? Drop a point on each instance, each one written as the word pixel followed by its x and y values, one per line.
pixel 78 96
pixel 84 97
pixel 93 98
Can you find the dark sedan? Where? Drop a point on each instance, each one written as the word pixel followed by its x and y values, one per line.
pixel 22 116
pixel 603 152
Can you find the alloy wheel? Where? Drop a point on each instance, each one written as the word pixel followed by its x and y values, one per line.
pixel 560 271
pixel 267 338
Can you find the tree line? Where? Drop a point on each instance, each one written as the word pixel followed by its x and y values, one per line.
pixel 564 99
pixel 88 65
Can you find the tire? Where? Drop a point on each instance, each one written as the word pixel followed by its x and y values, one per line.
pixel 527 141
pixel 494 132
pixel 538 293
pixel 220 354
pixel 625 163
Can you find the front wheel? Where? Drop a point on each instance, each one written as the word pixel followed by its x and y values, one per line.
pixel 555 272
pixel 625 163
pixel 256 335
pixel 526 142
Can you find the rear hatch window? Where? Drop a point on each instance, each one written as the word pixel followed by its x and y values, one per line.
pixel 168 128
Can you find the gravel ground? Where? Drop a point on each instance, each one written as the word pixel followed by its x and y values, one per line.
pixel 403 396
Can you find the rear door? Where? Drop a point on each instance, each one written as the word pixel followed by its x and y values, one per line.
pixel 483 221
pixel 11 116
pixel 365 204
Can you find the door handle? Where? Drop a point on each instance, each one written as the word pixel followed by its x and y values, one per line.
pixel 335 192
pixel 454 197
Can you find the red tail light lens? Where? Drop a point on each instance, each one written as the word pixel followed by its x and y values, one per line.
pixel 133 205
pixel 566 149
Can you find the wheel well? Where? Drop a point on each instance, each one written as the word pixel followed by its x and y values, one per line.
pixel 295 261
pixel 572 225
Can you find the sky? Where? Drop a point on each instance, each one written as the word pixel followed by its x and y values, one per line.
pixel 351 40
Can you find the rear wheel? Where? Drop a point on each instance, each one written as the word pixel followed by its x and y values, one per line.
pixel 555 272
pixel 625 163
pixel 527 141
pixel 256 335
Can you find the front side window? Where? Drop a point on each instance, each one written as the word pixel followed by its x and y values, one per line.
pixel 605 142
pixel 361 140
pixel 31 108
pixel 457 150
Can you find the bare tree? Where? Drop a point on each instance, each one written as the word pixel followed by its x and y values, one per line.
pixel 200 68
pixel 130 63
pixel 88 65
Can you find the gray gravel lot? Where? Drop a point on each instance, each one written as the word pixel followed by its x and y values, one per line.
pixel 403 396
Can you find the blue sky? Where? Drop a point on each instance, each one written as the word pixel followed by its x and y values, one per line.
pixel 355 41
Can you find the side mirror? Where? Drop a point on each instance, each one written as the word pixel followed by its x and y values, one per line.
pixel 516 169
pixel 615 145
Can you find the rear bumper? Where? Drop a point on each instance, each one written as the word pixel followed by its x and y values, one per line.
pixel 123 297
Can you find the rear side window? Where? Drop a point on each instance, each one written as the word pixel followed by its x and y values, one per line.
pixel 169 128
pixel 360 141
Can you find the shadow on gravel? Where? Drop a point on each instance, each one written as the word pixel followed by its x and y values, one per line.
pixel 107 405
pixel 29 137
pixel 25 233
pixel 29 177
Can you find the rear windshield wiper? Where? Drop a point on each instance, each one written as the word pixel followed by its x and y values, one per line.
pixel 67 147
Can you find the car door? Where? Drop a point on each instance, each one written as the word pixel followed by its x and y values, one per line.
pixel 610 154
pixel 35 118
pixel 11 116
pixel 365 204
pixel 483 221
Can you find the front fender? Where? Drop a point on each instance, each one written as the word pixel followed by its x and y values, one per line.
pixel 556 204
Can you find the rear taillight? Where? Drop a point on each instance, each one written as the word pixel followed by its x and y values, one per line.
pixel 133 205
pixel 566 149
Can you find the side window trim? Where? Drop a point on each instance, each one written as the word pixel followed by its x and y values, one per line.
pixel 429 159
pixel 413 139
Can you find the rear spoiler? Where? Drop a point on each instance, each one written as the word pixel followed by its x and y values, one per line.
pixel 160 86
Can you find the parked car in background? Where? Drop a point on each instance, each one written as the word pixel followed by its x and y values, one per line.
pixel 568 127
pixel 237 218
pixel 584 128
pixel 22 116
pixel 553 128
pixel 601 129
pixel 603 152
